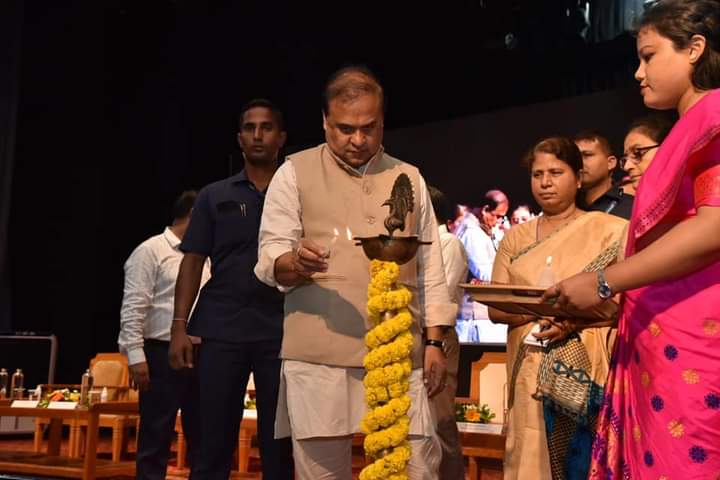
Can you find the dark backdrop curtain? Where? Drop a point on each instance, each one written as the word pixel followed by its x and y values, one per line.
pixel 11 20
pixel 611 18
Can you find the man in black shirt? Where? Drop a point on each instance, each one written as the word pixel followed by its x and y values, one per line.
pixel 238 317
pixel 598 192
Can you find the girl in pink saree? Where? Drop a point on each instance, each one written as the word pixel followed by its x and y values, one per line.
pixel 661 414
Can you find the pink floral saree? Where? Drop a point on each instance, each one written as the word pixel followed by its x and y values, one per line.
pixel 661 414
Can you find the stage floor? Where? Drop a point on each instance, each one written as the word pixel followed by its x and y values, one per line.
pixel 24 443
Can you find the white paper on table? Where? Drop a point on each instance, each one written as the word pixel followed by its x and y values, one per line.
pixel 62 405
pixel 24 404
pixel 491 428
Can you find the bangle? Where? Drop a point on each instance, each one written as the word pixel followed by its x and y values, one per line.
pixel 179 320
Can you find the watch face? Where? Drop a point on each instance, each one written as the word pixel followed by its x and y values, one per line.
pixel 604 291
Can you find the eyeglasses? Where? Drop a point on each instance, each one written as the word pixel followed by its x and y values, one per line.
pixel 636 154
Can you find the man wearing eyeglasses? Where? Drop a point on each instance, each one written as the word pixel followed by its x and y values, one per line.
pixel 340 185
pixel 599 193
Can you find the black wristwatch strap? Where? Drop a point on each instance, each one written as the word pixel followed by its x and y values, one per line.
pixel 429 342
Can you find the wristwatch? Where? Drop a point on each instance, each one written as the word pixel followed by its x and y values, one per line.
pixel 604 290
pixel 429 342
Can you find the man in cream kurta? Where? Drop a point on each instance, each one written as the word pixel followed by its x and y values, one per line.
pixel 318 200
pixel 455 261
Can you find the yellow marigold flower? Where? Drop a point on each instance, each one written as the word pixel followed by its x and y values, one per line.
pixel 389 374
pixel 472 416
pixel 390 300
pixel 389 437
pixel 397 350
pixel 386 415
pixel 392 465
pixel 396 390
pixel 386 330
pixel 376 395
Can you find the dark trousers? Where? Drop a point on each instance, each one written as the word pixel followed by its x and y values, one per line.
pixel 169 390
pixel 223 370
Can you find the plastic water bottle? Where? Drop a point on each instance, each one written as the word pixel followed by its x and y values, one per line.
pixel 547 278
pixel 3 383
pixel 16 386
pixel 86 384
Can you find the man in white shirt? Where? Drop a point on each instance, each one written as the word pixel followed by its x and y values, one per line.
pixel 145 320
pixel 477 231
pixel 455 261
pixel 481 230
pixel 477 240
pixel 480 252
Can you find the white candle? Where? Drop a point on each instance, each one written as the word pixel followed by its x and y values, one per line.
pixel 330 248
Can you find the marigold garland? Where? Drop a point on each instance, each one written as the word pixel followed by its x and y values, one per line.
pixel 395 372
pixel 387 438
pixel 385 415
pixel 387 301
pixel 388 365
pixel 386 331
pixel 391 466
pixel 395 351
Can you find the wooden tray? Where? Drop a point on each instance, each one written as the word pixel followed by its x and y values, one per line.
pixel 525 300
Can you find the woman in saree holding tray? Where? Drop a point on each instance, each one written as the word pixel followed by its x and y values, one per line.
pixel 661 416
pixel 555 391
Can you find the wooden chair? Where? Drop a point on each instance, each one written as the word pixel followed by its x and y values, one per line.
pixel 245 450
pixel 490 372
pixel 248 431
pixel 181 444
pixel 109 370
pixel 488 385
